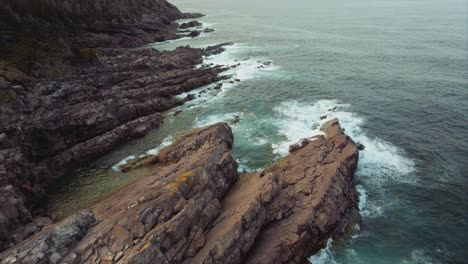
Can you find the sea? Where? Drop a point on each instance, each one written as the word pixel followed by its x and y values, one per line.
pixel 394 72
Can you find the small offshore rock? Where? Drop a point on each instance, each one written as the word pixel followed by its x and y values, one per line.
pixel 236 119
pixel 189 97
pixel 360 146
pixel 194 33
pixel 190 24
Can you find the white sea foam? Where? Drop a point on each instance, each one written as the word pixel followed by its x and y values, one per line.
pixel 117 166
pixel 213 119
pixel 362 197
pixel 298 120
pixel 325 255
pixel 166 142
pixel 246 67
pixel 242 167
pixel 379 163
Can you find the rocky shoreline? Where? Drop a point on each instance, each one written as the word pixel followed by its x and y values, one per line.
pixel 194 207
pixel 51 124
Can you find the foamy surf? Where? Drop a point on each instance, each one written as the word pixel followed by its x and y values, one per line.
pixel 116 167
pixel 154 151
pixel 325 255
pixel 380 163
pixel 165 143
pixel 213 119
pixel 239 69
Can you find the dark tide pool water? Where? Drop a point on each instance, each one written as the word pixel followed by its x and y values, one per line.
pixel 397 71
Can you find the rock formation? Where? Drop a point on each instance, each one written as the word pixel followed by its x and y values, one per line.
pixel 72 88
pixel 194 207
pixel 190 24
pixel 53 124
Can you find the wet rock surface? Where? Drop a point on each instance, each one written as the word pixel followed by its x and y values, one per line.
pixel 194 207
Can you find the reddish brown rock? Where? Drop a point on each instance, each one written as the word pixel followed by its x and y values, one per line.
pixel 193 207
pixel 288 212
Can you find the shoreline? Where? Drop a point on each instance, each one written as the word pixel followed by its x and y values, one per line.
pixel 38 149
pixel 195 180
pixel 121 95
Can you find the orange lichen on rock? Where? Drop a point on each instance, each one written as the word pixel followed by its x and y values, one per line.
pixel 146 246
pixel 180 180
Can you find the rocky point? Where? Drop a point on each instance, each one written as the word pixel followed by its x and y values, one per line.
pixel 194 207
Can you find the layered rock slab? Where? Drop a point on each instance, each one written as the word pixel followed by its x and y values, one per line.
pixel 287 212
pixel 160 217
pixel 52 125
pixel 193 207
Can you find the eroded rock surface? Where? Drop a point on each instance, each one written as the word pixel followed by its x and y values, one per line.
pixel 194 207
pixel 161 216
pixel 53 124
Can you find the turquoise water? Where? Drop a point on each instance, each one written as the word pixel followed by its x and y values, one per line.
pixel 397 71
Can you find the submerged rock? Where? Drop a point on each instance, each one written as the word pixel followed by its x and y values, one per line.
pixel 194 207
pixel 194 33
pixel 360 146
pixel 208 30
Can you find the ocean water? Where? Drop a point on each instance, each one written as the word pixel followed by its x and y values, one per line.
pixel 397 73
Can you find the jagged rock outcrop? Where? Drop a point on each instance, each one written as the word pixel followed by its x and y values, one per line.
pixel 52 124
pixel 193 206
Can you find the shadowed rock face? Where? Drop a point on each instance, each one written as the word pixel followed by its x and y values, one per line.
pixel 195 208
pixel 119 23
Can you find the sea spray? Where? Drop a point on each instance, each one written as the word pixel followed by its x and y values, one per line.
pixel 165 142
pixel 380 163
pixel 325 255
